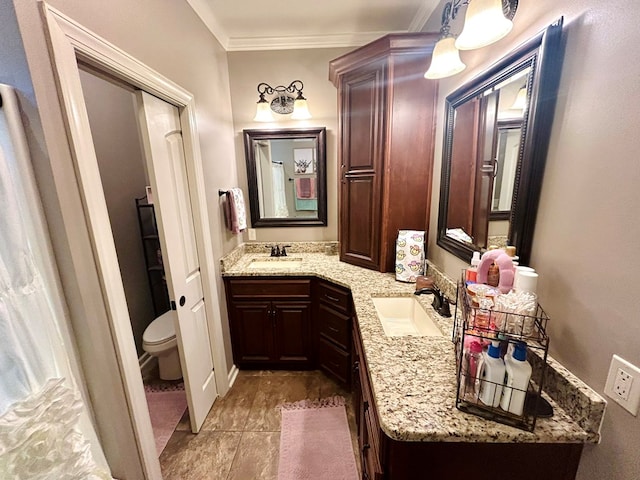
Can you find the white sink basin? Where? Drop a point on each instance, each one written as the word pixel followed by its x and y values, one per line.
pixel 281 263
pixel 403 316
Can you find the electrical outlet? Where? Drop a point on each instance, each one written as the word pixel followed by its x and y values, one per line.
pixel 623 384
pixel 252 233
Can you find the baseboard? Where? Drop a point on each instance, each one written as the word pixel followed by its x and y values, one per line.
pixel 233 374
pixel 147 364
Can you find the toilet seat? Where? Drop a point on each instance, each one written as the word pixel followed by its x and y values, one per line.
pixel 161 330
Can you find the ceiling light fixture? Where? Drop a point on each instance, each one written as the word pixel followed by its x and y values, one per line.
pixel 486 21
pixel 283 102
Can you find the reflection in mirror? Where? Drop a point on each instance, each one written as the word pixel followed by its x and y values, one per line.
pixel 496 137
pixel 286 174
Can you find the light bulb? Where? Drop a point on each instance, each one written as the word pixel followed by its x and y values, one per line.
pixel 484 24
pixel 445 60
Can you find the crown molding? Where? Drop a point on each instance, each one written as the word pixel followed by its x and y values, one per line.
pixel 238 44
pixel 422 16
pixel 204 11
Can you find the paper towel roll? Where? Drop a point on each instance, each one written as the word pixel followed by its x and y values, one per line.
pixel 409 255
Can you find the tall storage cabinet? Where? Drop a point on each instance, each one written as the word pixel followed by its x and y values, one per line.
pixel 386 128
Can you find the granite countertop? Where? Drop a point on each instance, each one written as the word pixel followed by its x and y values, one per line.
pixel 414 378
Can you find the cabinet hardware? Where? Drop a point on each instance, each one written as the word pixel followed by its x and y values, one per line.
pixel 366 446
pixel 333 299
pixel 356 366
pixel 182 301
pixel 365 405
pixel 333 329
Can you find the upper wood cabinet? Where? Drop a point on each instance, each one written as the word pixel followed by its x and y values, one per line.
pixel 386 128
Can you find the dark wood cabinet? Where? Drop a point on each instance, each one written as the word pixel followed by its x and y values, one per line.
pixel 333 320
pixel 270 322
pixel 386 128
pixel 383 458
pixel 370 437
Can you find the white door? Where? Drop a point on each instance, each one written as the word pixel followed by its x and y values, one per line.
pixel 162 138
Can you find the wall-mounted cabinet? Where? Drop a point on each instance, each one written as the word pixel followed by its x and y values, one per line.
pixel 386 137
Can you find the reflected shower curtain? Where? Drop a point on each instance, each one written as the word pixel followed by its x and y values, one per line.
pixel 45 428
pixel 279 194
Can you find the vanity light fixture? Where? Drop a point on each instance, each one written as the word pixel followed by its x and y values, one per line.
pixel 486 21
pixel 484 24
pixel 283 102
pixel 445 60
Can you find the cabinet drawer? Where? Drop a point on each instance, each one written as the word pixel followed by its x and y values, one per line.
pixel 334 326
pixel 337 297
pixel 334 360
pixel 259 288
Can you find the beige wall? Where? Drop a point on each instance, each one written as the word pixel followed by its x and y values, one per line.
pixel 587 230
pixel 246 71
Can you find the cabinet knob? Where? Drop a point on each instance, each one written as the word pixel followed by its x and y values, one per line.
pixel 366 446
pixel 365 405
pixel 356 366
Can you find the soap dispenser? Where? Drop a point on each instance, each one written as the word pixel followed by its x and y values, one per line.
pixel 471 275
pixel 492 376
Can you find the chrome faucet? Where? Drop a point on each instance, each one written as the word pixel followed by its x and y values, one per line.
pixel 440 303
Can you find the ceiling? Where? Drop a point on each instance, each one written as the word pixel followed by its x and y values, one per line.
pixel 286 24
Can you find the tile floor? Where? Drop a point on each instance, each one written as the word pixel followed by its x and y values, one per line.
pixel 241 436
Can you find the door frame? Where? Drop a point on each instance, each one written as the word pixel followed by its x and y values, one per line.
pixel 64 33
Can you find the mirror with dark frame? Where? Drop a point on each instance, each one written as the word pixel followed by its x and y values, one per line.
pixel 496 140
pixel 286 171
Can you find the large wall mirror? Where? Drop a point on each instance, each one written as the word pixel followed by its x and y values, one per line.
pixel 496 140
pixel 286 170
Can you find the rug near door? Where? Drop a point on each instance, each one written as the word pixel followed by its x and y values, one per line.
pixel 167 404
pixel 315 442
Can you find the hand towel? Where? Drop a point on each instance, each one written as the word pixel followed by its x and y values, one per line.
pixel 305 188
pixel 235 211
pixel 409 255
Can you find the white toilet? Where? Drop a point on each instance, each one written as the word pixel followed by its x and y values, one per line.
pixel 159 340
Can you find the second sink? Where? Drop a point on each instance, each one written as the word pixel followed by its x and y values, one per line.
pixel 403 316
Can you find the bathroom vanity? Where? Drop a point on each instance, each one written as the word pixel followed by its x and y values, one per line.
pixel 404 387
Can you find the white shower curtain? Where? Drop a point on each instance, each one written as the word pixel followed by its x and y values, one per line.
pixel 45 427
pixel 279 195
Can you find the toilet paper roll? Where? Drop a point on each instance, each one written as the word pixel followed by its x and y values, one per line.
pixel 520 268
pixel 528 282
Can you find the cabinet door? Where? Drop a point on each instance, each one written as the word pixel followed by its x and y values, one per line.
pixel 362 127
pixel 252 332
pixel 292 332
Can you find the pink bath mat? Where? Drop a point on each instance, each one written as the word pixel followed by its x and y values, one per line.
pixel 166 408
pixel 315 443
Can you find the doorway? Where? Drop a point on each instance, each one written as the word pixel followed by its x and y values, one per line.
pixel 111 109
pixel 70 43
